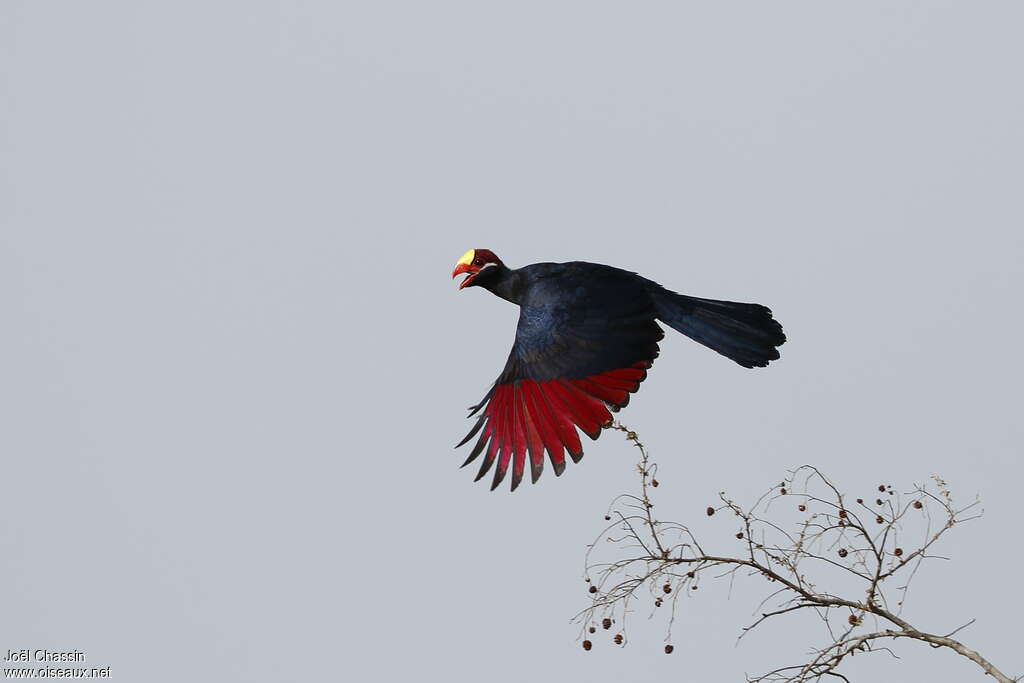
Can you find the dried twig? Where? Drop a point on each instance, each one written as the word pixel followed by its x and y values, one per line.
pixel 834 537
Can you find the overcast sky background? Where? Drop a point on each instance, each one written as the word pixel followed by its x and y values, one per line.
pixel 233 364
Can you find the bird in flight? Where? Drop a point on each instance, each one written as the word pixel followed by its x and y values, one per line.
pixel 587 335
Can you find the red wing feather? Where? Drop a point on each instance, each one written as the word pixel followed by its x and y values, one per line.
pixel 534 442
pixel 528 418
pixel 518 437
pixel 494 413
pixel 540 416
pixel 613 397
pixel 506 431
pixel 562 422
pixel 589 415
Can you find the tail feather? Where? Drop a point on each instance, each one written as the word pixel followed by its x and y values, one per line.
pixel 745 333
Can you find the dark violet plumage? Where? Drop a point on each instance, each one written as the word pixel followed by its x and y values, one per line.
pixel 587 334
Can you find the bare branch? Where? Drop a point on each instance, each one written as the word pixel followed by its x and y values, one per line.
pixel 833 538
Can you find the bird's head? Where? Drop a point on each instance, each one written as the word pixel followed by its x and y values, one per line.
pixel 479 263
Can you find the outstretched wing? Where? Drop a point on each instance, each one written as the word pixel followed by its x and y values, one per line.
pixel 585 339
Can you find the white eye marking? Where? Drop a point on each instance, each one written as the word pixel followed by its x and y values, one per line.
pixel 486 266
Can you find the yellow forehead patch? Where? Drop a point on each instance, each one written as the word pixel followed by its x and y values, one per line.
pixel 467 258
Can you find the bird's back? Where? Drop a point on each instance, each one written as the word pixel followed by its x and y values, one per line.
pixel 576 282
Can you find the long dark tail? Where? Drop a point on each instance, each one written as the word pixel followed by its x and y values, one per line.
pixel 746 333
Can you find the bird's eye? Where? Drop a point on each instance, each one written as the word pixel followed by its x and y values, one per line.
pixel 477 261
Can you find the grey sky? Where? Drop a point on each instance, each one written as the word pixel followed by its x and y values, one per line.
pixel 233 364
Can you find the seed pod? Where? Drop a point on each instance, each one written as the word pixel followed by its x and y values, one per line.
pixel 782 491
pixel 607 517
pixel 739 534
pixel 860 501
pixel 854 620
pixel 918 504
pixel 618 639
pixel 691 574
pixel 711 511
pixel 878 501
pixel 668 649
pixel 592 629
pixel 897 552
pixel 879 519
pixel 842 513
pixel 593 589
pixel 587 645
pixel 606 623
pixel 881 487
pixel 654 483
pixel 801 507
pixel 843 552
pixel 657 602
pixel 667 588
